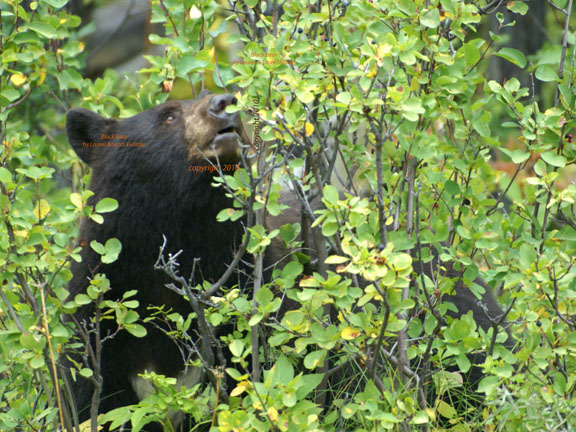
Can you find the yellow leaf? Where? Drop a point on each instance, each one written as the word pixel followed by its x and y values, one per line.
pixel 446 410
pixel 350 333
pixel 335 259
pixel 309 128
pixel 42 75
pixel 384 49
pixel 18 79
pixel 195 13
pixel 305 96
pixel 240 388
pixel 273 414
pixel 372 72
pixel 86 426
pixel 308 282
pixel 41 209
pixel 76 200
pixel 21 233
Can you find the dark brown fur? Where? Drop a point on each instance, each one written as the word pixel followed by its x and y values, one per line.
pixel 158 196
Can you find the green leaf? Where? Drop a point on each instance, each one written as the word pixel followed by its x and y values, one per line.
pixel 344 97
pixel 330 194
pixel 488 384
pixel 5 175
pixel 519 7
pixel 420 418
pixel 431 18
pixel 106 205
pixel 82 299
pixel 411 108
pixel 37 362
pixel 85 372
pixel 527 256
pixel 136 330
pixel 236 347
pixel 293 269
pixel 551 158
pixel 452 188
pixel 255 319
pixel 43 28
pixel 189 63
pixel 463 363
pixel 99 219
pixel 446 410
pixel 517 156
pixel 283 370
pixel 264 296
pixel 98 247
pixel 113 248
pixel 113 245
pixel 329 229
pixel 546 73
pixel 305 96
pixel 514 56
pixel 460 329
pixel 57 3
pixel 401 261
pixel 315 359
pixel 309 383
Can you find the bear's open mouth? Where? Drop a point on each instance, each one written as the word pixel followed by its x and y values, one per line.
pixel 224 144
pixel 227 134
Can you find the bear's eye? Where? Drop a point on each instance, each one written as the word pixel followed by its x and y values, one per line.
pixel 169 117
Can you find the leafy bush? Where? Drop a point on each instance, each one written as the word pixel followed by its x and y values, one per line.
pixel 385 100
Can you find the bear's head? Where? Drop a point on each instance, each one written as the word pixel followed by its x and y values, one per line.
pixel 190 132
pixel 144 163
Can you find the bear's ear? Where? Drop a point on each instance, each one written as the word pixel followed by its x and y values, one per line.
pixel 204 93
pixel 84 127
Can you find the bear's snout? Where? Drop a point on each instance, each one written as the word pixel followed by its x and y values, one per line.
pixel 219 103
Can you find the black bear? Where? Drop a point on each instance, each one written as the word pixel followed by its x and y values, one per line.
pixel 157 165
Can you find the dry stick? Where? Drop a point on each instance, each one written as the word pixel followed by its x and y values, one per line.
pixel 440 320
pixel 163 6
pixel 258 268
pixel 380 180
pixel 207 335
pixel 96 375
pixel 254 330
pixel 379 342
pixel 51 355
pixel 564 47
pixel 402 344
pixel 557 7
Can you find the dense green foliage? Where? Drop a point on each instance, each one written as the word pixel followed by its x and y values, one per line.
pixel 387 100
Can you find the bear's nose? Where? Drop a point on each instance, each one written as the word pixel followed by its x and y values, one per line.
pixel 219 103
